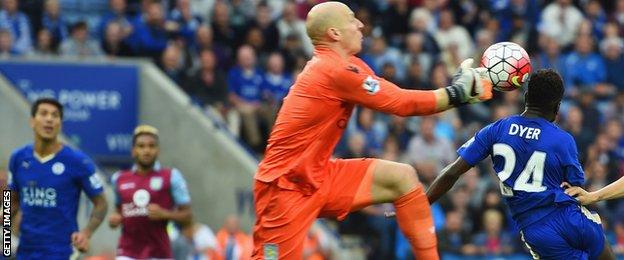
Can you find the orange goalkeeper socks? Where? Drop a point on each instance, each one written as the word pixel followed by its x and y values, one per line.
pixel 415 221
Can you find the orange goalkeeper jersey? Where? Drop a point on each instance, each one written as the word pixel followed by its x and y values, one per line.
pixel 316 111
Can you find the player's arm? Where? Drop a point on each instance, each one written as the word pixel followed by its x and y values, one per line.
pixel 363 87
pixel 182 214
pixel 445 181
pixel 115 218
pixel 470 153
pixel 100 208
pixel 179 192
pixel 614 190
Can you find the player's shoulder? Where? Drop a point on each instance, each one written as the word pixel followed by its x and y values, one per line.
pixel 76 158
pixel 22 152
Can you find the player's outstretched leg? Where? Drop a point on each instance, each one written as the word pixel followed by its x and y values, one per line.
pixel 398 183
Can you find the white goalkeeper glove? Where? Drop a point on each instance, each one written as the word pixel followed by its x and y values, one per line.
pixel 469 85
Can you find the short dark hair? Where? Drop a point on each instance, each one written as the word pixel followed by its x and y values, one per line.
pixel 545 89
pixel 51 101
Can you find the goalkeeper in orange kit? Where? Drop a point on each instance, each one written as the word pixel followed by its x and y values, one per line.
pixel 298 181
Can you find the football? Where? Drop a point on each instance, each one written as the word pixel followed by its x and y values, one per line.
pixel 508 65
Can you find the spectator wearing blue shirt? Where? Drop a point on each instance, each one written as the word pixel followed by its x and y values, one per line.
pixel 17 24
pixel 244 93
pixel 583 67
pixel 597 17
pixel 187 22
pixel 116 13
pixel 152 31
pixel 6 44
pixel 611 49
pixel 550 57
pixel 53 22
pixel 276 82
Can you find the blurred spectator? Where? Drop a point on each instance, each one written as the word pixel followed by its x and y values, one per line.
pixel 391 149
pixel 223 32
pixel 380 53
pixel 416 78
pixel 375 132
pixel 395 22
pixel 6 44
pixel 254 38
pixel 204 40
pixel 583 67
pixel 293 51
pixel 493 241
pixel 611 49
pixel 356 146
pixel 550 56
pixel 618 15
pixel 79 44
pixel 598 18
pixel 398 128
pixel 172 64
pixel 232 243
pixel 116 13
pixel 194 241
pixel 53 22
pixel 245 94
pixel 618 248
pixel 276 82
pixel 202 8
pixel 43 46
pixel 422 21
pixel 267 27
pixel 452 38
pixel 240 12
pixel 583 135
pixel 18 24
pixel 484 40
pixel 290 24
pixel 315 245
pixel 561 20
pixel 113 43
pixel 491 200
pixel 591 115
pixel 415 54
pixel 429 153
pixel 152 33
pixel 453 239
pixel 187 22
pixel 208 83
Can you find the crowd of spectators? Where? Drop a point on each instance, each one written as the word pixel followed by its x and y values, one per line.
pixel 238 58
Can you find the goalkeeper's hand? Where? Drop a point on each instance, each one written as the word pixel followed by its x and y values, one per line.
pixel 469 85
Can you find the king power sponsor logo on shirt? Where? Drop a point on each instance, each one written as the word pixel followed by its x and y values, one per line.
pixel 38 196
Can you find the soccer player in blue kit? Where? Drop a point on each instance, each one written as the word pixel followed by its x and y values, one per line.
pixel 46 178
pixel 532 158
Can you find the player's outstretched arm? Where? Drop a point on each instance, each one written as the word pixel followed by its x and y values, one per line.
pixel 445 181
pixel 362 87
pixel 614 190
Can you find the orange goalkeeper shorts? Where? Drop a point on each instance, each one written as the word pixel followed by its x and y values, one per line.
pixel 283 217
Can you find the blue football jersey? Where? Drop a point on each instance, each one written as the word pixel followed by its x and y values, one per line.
pixel 49 191
pixel 531 157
